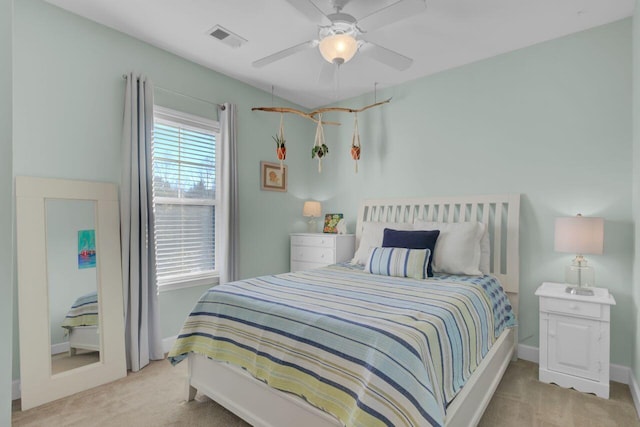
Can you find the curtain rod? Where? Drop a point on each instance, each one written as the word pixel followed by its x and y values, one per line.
pixel 221 106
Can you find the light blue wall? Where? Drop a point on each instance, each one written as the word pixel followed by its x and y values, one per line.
pixel 636 186
pixel 6 210
pixel 551 122
pixel 68 122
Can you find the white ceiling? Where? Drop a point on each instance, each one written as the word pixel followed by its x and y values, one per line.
pixel 448 34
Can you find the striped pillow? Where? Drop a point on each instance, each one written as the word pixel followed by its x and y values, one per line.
pixel 399 262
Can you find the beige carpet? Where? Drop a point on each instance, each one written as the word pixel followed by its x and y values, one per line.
pixel 154 397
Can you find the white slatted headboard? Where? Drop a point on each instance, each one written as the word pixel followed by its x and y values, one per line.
pixel 501 214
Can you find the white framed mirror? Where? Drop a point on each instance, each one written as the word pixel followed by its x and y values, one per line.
pixel 69 287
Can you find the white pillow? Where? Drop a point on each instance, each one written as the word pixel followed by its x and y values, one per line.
pixel 485 252
pixel 457 249
pixel 371 237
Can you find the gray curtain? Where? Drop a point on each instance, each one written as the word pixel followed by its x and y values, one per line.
pixel 228 221
pixel 142 320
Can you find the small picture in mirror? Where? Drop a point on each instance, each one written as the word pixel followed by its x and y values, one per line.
pixel 86 249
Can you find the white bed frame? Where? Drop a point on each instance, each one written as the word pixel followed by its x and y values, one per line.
pixel 84 338
pixel 262 406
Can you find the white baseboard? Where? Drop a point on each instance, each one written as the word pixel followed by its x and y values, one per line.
pixel 635 391
pixel 63 347
pixel 15 390
pixel 617 373
pixel 620 374
pixel 167 343
pixel 528 353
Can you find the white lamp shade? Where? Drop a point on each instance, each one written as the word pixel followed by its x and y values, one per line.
pixel 338 46
pixel 579 235
pixel 312 208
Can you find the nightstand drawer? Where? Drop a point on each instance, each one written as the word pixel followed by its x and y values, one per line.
pixel 576 308
pixel 313 254
pixel 320 240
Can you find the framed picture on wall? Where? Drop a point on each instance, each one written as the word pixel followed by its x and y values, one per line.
pixel 273 177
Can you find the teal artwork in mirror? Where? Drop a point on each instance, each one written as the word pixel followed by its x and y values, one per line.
pixel 86 249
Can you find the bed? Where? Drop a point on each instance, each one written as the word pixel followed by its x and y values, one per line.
pixel 81 323
pixel 424 389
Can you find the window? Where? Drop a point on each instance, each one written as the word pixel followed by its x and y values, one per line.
pixel 184 198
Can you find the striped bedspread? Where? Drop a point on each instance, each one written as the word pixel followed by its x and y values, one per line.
pixel 370 350
pixel 83 312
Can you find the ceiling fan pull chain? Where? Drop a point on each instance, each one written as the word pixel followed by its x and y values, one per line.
pixel 355 142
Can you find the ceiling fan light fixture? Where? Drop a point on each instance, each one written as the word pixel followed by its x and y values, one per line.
pixel 338 48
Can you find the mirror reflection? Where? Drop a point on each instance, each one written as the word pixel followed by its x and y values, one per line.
pixel 72 283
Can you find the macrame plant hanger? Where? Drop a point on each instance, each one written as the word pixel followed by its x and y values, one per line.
pixel 355 142
pixel 319 147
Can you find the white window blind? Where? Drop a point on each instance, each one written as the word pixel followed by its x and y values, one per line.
pixel 184 197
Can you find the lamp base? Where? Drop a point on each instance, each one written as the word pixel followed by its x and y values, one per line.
pixel 579 273
pixel 312 226
pixel 574 290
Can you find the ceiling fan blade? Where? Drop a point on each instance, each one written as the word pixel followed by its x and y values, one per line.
pixel 284 53
pixel 393 13
pixel 310 10
pixel 327 74
pixel 386 56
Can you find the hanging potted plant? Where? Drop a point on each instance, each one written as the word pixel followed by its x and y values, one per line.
pixel 355 143
pixel 355 154
pixel 281 149
pixel 319 148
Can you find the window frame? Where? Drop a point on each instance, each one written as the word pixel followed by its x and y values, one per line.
pixel 171 117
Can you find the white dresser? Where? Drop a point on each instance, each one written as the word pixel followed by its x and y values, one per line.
pixel 313 250
pixel 574 338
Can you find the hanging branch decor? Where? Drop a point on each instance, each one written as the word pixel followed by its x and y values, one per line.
pixel 312 114
pixel 355 142
pixel 281 149
pixel 319 149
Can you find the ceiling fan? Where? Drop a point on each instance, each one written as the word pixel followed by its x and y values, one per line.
pixel 340 35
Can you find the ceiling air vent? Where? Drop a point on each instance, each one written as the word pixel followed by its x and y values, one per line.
pixel 226 36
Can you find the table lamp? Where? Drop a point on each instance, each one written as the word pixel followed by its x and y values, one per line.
pixel 312 209
pixel 579 235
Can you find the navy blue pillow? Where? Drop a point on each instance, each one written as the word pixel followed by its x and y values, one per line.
pixel 418 239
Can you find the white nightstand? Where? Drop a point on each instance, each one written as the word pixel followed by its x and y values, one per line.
pixel 574 338
pixel 314 250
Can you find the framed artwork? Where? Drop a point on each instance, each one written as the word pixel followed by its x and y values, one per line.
pixel 330 222
pixel 273 177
